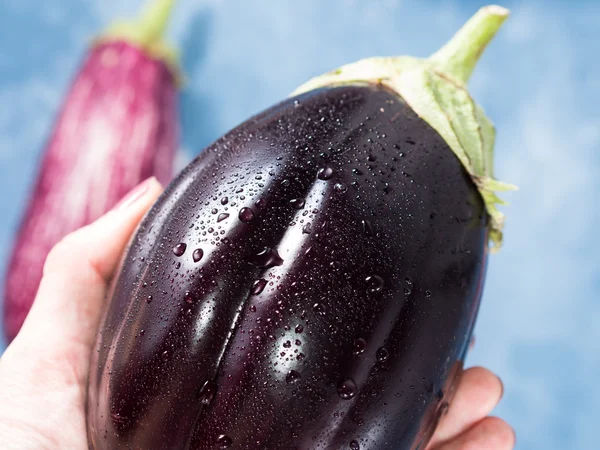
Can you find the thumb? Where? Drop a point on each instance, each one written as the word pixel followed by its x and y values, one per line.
pixel 61 326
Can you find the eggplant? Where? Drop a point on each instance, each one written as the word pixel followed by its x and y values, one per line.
pixel 311 280
pixel 118 126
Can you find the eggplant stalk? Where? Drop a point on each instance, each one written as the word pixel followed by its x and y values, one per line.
pixel 147 33
pixel 460 55
pixel 435 88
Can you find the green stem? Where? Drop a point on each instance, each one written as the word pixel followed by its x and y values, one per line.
pixel 153 20
pixel 435 89
pixel 147 33
pixel 459 56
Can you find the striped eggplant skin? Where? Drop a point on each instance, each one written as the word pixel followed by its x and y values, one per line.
pixel 117 126
pixel 310 281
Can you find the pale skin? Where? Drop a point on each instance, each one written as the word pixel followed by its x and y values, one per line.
pixel 43 373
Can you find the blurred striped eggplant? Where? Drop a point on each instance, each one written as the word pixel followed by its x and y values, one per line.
pixel 118 126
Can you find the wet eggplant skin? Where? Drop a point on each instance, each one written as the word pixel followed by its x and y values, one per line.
pixel 384 245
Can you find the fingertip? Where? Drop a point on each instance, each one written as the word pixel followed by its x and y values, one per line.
pixel 484 384
pixel 112 231
pixel 102 241
pixel 496 433
pixel 478 393
pixel 491 433
pixel 136 193
pixel 147 191
pixel 509 435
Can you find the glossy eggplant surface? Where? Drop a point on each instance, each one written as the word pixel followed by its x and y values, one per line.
pixel 310 281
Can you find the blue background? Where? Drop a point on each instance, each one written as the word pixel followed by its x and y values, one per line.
pixel 538 326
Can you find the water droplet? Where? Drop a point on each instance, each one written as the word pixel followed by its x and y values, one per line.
pixel 222 217
pixel 149 299
pixel 299 328
pixel 346 388
pixel 359 346
pixel 197 255
pixel 224 442
pixel 224 200
pixel 339 187
pixel 258 286
pixel 354 445
pixel 427 293
pixel 310 252
pixel 320 309
pixel 214 211
pixel 292 376
pixel 409 287
pixel 188 297
pixel 374 283
pixel 297 203
pixel 261 203
pixel 356 171
pixel 207 393
pixel 306 228
pixel 246 215
pixel 325 173
pixel 382 354
pixel 287 344
pixel 266 258
pixel 179 249
pixel 367 228
pixel 371 158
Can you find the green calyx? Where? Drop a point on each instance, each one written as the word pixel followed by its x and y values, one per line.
pixel 147 33
pixel 435 88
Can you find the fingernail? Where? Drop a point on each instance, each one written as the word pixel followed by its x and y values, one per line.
pixel 135 194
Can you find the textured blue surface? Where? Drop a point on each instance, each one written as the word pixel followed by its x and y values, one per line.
pixel 538 81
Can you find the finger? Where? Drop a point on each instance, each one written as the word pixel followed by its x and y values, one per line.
pixel 478 393
pixel 490 433
pixel 62 323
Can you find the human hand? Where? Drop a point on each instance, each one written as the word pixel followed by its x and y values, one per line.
pixel 43 373
pixel 467 425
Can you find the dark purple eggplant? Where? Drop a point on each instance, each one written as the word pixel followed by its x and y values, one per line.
pixel 310 281
pixel 118 126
